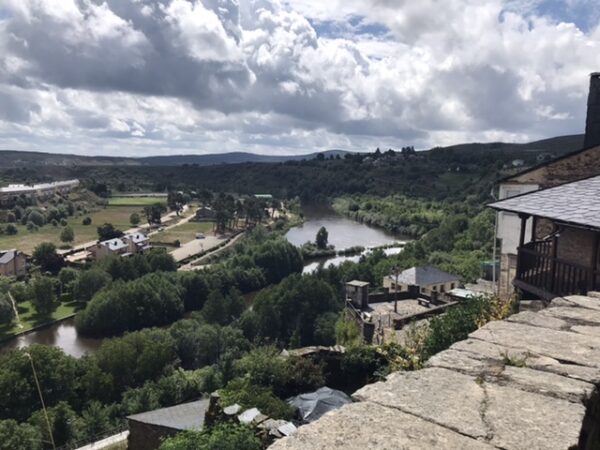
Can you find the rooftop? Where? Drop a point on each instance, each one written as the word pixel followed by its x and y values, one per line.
pixel 7 256
pixel 576 203
pixel 423 276
pixel 114 244
pixel 187 416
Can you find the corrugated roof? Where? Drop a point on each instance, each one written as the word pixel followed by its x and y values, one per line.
pixel 423 276
pixel 187 416
pixel 576 203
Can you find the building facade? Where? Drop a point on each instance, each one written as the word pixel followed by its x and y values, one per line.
pixel 558 250
pixel 425 280
pixel 12 263
pixel 126 245
pixel 571 167
pixel 11 193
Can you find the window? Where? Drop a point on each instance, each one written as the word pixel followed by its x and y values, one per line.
pixel 434 288
pixel 452 286
pixel 442 288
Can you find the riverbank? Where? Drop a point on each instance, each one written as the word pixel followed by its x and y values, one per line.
pixel 30 320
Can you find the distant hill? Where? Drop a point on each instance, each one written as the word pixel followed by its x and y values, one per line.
pixel 231 158
pixel 12 159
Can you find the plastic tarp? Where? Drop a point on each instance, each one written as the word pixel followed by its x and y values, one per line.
pixel 313 405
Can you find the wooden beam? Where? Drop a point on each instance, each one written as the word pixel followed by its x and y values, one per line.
pixel 523 218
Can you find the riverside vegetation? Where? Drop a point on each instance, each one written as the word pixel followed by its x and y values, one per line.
pixel 224 342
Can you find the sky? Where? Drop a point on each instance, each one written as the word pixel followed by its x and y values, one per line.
pixel 143 77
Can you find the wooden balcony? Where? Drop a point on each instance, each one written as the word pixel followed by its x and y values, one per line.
pixel 541 273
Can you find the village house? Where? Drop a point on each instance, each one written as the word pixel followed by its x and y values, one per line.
pixel 12 263
pixel 126 245
pixel 423 280
pixel 204 214
pixel 571 167
pixel 148 429
pixel 558 240
pixel 43 191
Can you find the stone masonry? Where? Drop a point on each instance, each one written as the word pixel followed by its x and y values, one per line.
pixel 529 382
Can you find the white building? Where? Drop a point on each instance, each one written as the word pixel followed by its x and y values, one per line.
pixel 10 193
pixel 126 245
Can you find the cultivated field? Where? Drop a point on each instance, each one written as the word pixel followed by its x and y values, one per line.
pixel 136 201
pixel 26 240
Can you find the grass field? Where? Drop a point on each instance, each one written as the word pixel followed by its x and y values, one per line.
pixel 136 201
pixel 26 241
pixel 30 319
pixel 184 233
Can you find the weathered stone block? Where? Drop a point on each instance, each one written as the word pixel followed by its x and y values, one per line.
pixel 366 426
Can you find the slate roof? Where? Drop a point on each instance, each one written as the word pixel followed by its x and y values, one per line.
pixel 7 256
pixel 187 416
pixel 575 203
pixel 423 276
pixel 137 238
pixel 114 244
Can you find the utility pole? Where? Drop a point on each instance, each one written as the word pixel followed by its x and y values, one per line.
pixel 37 384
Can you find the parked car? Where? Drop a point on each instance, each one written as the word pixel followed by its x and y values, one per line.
pixel 200 236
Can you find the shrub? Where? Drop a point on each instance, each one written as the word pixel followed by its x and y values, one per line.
pixel 226 436
pixel 86 220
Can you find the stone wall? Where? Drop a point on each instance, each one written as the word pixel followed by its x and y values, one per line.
pixel 527 383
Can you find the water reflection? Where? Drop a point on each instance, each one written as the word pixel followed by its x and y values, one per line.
pixel 63 335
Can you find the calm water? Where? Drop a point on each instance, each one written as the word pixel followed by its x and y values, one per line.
pixel 343 233
pixel 63 335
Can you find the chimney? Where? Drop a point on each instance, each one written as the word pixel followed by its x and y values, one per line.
pixel 592 123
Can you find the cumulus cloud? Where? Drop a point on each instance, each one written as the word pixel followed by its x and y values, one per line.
pixel 158 76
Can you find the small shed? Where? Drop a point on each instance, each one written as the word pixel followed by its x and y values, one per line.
pixel 358 293
pixel 146 430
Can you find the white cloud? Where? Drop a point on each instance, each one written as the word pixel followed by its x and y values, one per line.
pixel 164 76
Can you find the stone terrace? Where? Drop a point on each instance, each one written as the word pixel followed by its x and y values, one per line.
pixel 528 382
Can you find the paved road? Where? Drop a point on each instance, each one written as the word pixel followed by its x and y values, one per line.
pixel 190 265
pixel 196 246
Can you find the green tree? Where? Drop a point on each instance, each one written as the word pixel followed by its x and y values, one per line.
pixel 154 212
pixel 43 295
pixel 90 282
pixel 7 313
pixel 67 235
pixel 226 436
pixel 15 436
pixel 11 229
pixel 68 278
pixel 107 231
pixel 134 219
pixel 95 419
pixel 322 238
pixel 45 256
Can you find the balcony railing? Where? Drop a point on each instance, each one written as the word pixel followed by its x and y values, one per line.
pixel 541 273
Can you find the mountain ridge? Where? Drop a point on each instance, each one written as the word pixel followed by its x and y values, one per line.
pixel 14 159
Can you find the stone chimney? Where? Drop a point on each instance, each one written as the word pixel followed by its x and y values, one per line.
pixel 592 123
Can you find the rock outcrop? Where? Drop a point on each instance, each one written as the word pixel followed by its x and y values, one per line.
pixel 525 383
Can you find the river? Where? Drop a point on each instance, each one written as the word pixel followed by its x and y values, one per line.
pixel 62 334
pixel 343 233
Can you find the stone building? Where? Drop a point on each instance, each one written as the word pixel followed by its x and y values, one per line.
pixel 12 263
pixel 559 239
pixel 146 430
pixel 126 245
pixel 423 280
pixel 570 167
